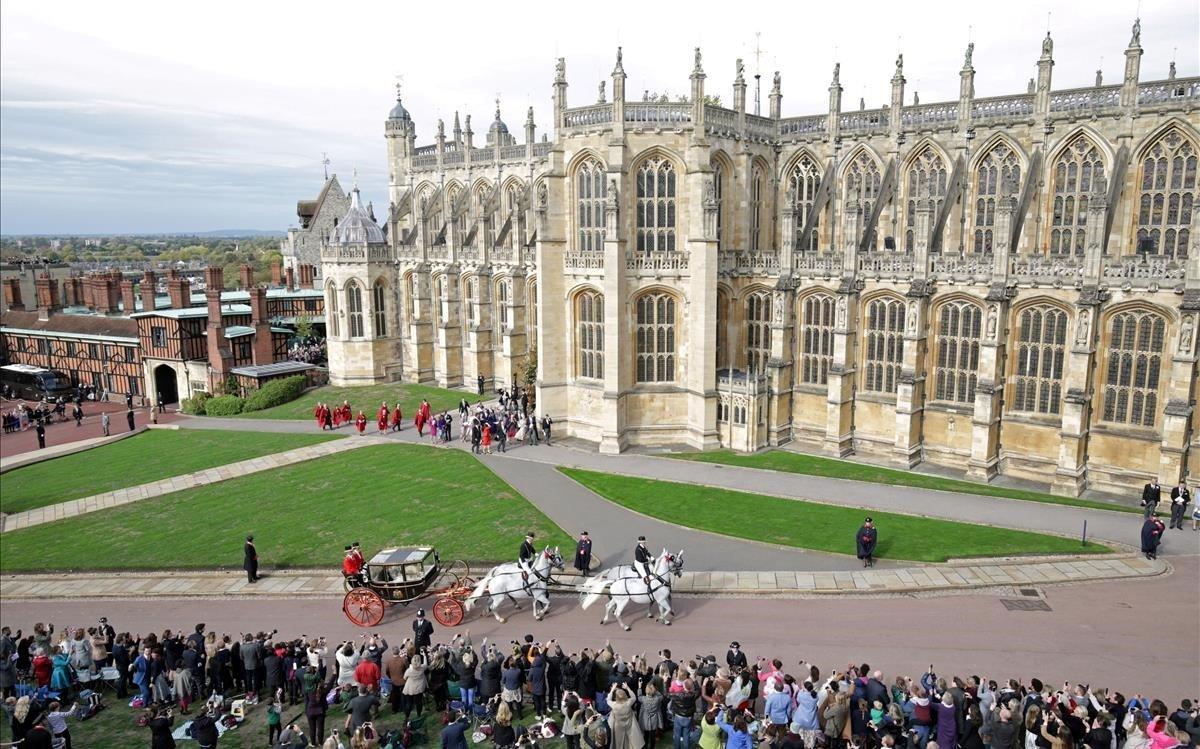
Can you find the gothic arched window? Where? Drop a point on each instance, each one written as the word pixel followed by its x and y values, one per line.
pixel 885 345
pixel 589 327
pixel 816 338
pixel 1041 348
pixel 502 295
pixel 862 184
pixel 1134 365
pixel 656 206
pixel 333 323
pixel 379 308
pixel 472 301
pixel 655 331
pixel 803 183
pixel 757 189
pixel 354 305
pixel 758 332
pixel 590 193
pixel 1075 174
pixel 1167 195
pixel 957 362
pixel 926 178
pixel 998 168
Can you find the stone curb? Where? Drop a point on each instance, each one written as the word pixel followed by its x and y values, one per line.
pixel 935 580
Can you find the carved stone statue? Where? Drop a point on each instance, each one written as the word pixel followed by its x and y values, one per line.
pixel 600 98
pixel 992 320
pixel 970 51
pixel 776 81
pixel 741 68
pixel 543 197
pixel 613 192
pixel 710 190
pixel 841 311
pixel 1084 328
pixel 1047 45
pixel 862 104
pixel 912 317
pixel 916 98
pixel 1186 331
pixel 1099 78
pixel 697 58
pixel 837 72
pixel 899 64
pixel 560 68
pixel 779 307
pixel 1171 71
pixel 1136 39
pixel 1032 87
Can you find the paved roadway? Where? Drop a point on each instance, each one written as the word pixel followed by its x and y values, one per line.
pixel 65 432
pixel 1137 636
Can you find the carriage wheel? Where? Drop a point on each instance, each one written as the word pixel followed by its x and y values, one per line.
pixel 364 607
pixel 459 570
pixel 448 611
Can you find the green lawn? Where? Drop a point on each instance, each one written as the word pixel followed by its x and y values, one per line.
pixel 150 456
pixel 367 398
pixel 808 525
pixel 301 516
pixel 114 727
pixel 815 465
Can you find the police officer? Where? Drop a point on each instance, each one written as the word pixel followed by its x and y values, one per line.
pixel 642 559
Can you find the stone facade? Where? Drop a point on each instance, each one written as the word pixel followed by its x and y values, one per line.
pixel 1010 284
pixel 318 218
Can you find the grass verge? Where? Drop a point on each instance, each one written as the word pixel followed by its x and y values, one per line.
pixel 807 525
pixel 367 398
pixel 815 465
pixel 301 516
pixel 150 456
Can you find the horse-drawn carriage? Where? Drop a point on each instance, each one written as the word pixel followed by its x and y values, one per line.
pixel 403 575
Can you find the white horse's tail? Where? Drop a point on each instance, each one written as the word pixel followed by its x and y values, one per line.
pixel 593 589
pixel 480 590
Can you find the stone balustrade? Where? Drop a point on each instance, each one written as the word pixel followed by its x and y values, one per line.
pixel 657 261
pixel 584 261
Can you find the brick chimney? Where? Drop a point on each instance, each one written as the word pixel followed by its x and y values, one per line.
pixel 128 298
pixel 12 294
pixel 276 273
pixel 220 357
pixel 147 290
pixel 107 295
pixel 179 289
pixel 246 276
pixel 214 278
pixel 307 274
pixel 47 295
pixel 290 278
pixel 264 347
pixel 88 297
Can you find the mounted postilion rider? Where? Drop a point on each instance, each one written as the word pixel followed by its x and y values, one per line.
pixel 525 558
pixel 642 560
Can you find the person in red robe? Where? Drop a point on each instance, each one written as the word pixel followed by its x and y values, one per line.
pixel 419 420
pixel 361 422
pixel 347 414
pixel 351 568
pixel 397 419
pixel 381 417
pixel 318 412
pixel 336 416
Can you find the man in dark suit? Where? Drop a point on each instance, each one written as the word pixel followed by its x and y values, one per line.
pixel 734 657
pixel 41 434
pixel 583 553
pixel 250 560
pixel 1180 497
pixel 865 541
pixel 1151 495
pixel 479 382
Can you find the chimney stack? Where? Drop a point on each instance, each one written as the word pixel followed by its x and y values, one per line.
pixel 214 278
pixel 219 355
pixel 128 298
pixel 179 290
pixel 246 276
pixel 147 291
pixel 307 274
pixel 276 273
pixel 70 292
pixel 290 278
pixel 88 297
pixel 12 294
pixel 264 347
pixel 47 295
pixel 106 294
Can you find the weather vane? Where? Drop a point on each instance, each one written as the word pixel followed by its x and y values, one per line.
pixel 325 163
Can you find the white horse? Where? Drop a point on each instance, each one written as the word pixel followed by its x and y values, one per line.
pixel 624 585
pixel 505 581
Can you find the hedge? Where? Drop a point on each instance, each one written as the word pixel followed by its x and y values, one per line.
pixel 276 392
pixel 195 405
pixel 224 405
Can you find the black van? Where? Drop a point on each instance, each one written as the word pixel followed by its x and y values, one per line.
pixel 35 383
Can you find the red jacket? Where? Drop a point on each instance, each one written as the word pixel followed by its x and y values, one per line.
pixel 367 674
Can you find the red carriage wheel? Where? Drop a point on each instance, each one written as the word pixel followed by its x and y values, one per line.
pixel 364 607
pixel 448 611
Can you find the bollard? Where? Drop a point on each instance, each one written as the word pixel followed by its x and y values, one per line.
pixel 1084 540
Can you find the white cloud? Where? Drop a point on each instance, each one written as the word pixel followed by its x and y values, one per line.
pixel 219 112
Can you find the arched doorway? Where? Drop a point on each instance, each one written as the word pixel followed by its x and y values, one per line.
pixel 166 386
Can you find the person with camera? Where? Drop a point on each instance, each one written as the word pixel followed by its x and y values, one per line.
pixel 160 726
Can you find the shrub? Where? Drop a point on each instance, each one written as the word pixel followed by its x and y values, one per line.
pixel 223 405
pixel 275 393
pixel 195 404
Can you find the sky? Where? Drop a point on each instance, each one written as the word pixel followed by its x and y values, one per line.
pixel 173 117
